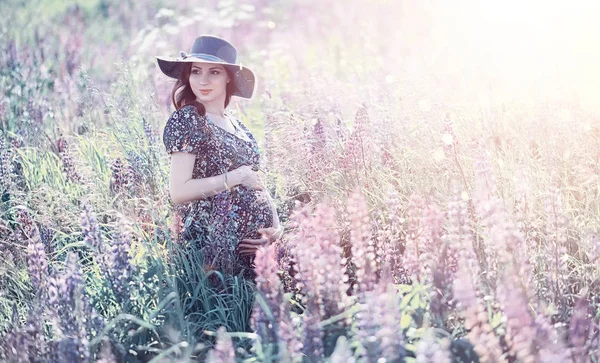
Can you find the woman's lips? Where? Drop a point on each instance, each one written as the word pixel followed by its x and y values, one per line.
pixel 205 91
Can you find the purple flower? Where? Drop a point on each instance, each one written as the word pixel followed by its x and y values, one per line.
pixel 106 355
pixel 38 266
pixel 342 352
pixel 5 165
pixel 480 332
pixel 119 267
pixel 312 333
pixel 556 247
pixel 27 343
pixel 520 327
pixel 358 149
pixel 68 163
pixel 91 230
pixel 269 287
pixel 150 135
pixel 280 328
pixel 223 351
pixel 579 326
pixel 378 323
pixel 121 177
pixel 71 313
pixel 410 261
pixel 320 267
pixel 430 350
pixel 362 241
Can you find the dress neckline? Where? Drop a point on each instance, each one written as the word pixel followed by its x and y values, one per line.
pixel 238 128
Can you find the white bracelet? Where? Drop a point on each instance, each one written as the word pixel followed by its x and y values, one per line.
pixel 225 181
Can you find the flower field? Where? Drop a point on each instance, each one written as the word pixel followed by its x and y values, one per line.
pixel 436 166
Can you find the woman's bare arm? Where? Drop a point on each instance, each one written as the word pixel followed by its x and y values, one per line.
pixel 183 188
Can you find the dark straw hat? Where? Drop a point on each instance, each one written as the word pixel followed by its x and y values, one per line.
pixel 211 49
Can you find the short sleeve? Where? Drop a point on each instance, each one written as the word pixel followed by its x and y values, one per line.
pixel 185 131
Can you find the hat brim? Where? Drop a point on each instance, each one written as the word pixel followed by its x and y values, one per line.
pixel 243 77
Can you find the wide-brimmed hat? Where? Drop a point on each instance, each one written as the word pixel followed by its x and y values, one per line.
pixel 211 49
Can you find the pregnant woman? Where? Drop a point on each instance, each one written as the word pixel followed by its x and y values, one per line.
pixel 214 176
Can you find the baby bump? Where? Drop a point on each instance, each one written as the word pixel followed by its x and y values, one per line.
pixel 254 212
pixel 239 213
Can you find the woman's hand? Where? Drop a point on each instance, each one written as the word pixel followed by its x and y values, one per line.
pixel 246 176
pixel 248 247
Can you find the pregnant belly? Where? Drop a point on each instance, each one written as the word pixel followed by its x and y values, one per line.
pixel 243 212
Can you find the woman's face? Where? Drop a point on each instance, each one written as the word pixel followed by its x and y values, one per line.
pixel 208 82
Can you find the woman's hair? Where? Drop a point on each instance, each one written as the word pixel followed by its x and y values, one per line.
pixel 182 93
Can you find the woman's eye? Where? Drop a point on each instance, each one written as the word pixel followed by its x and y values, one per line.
pixel 195 71
pixel 216 72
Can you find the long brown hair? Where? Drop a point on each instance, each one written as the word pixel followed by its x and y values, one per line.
pixel 182 93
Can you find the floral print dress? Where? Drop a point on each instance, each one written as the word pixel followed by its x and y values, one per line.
pixel 217 224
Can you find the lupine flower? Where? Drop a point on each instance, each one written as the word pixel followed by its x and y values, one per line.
pixel 137 168
pixel 150 134
pixel 522 200
pixel 119 264
pixel 358 149
pixel 579 327
pixel 504 245
pixel 312 333
pixel 69 310
pixel 556 251
pixel 412 250
pixel 92 238
pixel 449 137
pixel 320 268
pixel 27 226
pixel 378 323
pixel 121 178
pixel 486 207
pixel 431 246
pixel 288 328
pixel 269 286
pixel 431 351
pixel 383 249
pixel 466 281
pixel 106 355
pixel 480 333
pixel 319 162
pixel 223 351
pixel 91 229
pixel 68 163
pixel 395 225
pixel 342 352
pixel 46 236
pixel 38 266
pixel 27 343
pixel 520 327
pixel 5 164
pixel 548 344
pixel 363 249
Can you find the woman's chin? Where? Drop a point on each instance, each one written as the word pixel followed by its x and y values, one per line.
pixel 206 98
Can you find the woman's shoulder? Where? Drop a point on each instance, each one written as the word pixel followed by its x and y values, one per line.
pixel 187 114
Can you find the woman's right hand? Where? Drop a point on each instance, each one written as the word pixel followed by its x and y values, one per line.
pixel 249 177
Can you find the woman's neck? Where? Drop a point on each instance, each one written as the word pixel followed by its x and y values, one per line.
pixel 215 109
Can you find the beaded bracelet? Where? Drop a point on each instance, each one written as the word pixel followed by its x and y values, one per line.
pixel 225 181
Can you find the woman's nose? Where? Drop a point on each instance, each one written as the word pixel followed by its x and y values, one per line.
pixel 204 79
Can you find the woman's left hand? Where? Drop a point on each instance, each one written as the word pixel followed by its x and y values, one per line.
pixel 249 246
